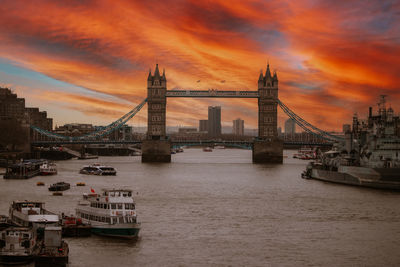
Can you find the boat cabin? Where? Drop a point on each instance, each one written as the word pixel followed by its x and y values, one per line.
pixel 112 206
pixel 17 241
pixel 27 212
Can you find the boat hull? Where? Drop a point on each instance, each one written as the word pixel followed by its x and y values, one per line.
pixel 118 230
pixel 15 259
pixel 360 176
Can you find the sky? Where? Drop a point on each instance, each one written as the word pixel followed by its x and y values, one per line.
pixel 87 61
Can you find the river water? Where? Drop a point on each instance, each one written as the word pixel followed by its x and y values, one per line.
pixel 219 209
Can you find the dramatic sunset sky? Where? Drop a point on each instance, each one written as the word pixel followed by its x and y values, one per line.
pixel 87 61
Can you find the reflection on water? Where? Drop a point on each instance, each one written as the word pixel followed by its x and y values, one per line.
pixel 220 209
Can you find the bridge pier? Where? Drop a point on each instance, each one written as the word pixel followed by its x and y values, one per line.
pixel 156 151
pixel 268 151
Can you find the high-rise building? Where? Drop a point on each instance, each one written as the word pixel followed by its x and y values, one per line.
pixel 238 127
pixel 16 117
pixel 203 125
pixel 214 121
pixel 290 126
pixel 279 131
pixel 346 128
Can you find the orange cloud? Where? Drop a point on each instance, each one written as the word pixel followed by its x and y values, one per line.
pixel 329 55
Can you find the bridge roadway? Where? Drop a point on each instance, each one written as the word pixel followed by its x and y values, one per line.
pixel 174 143
pixel 212 93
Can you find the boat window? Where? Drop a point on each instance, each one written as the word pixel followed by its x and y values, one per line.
pixel 127 206
pixel 129 194
pixel 112 194
pixel 113 206
pixel 105 206
pixel 119 206
pixel 108 219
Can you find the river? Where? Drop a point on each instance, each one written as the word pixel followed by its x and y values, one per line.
pixel 218 209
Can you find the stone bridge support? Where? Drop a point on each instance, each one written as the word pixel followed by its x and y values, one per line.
pixel 268 148
pixel 156 147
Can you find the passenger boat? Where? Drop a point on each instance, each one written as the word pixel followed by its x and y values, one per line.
pixel 60 186
pixel 24 170
pixel 80 184
pixel 30 213
pixel 18 245
pixel 48 168
pixel 111 213
pixel 207 149
pixel 98 169
pixel 39 183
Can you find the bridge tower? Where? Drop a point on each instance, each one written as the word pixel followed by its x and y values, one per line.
pixel 268 148
pixel 156 147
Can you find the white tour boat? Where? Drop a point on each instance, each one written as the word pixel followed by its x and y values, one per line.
pixel 48 168
pixel 98 169
pixel 111 213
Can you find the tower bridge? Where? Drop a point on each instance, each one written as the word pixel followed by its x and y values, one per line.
pixel 267 147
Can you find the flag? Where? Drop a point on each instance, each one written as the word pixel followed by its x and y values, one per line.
pixel 92 190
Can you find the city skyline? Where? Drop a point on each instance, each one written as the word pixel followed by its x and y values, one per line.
pixel 333 57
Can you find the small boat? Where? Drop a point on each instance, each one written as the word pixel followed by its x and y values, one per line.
pixel 48 168
pixel 39 183
pixel 80 184
pixel 60 186
pixel 207 149
pixel 179 150
pixel 97 169
pixel 72 226
pixel 219 147
pixel 18 245
pixel 5 222
pixel 111 213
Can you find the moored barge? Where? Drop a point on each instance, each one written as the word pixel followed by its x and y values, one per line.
pixel 24 170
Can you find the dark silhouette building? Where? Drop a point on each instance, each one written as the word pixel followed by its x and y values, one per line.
pixel 238 127
pixel 214 121
pixel 203 125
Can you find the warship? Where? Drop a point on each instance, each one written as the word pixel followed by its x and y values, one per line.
pixel 369 156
